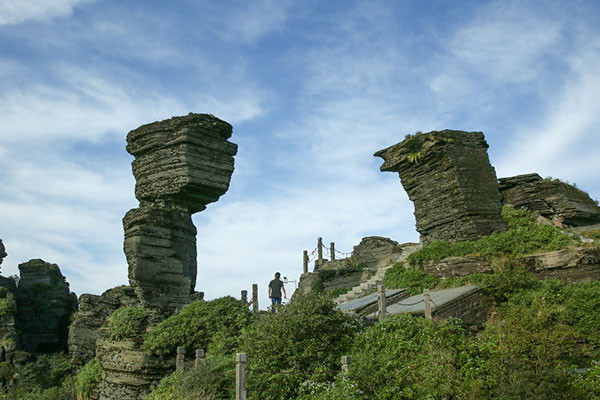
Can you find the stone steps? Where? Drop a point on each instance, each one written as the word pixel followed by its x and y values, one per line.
pixel 370 286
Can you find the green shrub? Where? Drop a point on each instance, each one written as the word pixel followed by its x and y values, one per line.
pixel 207 382
pixel 406 357
pixel 524 236
pixel 399 277
pixel 88 379
pixel 126 322
pixel 588 384
pixel 304 338
pixel 526 352
pixel 198 324
pixel 8 307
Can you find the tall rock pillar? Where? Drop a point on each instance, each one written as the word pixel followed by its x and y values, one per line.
pixel 449 178
pixel 181 164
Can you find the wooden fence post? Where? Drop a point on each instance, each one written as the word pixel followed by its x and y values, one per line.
pixel 332 250
pixel 255 297
pixel 305 262
pixel 179 361
pixel 320 251
pixel 240 376
pixel 199 358
pixel 345 363
pixel 381 301
pixel 427 301
pixel 245 297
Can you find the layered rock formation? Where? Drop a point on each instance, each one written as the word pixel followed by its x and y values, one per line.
pixel 92 314
pixel 377 251
pixel 181 164
pixel 448 176
pixel 45 305
pixel 552 199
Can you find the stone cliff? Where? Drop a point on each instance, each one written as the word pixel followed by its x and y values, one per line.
pixel 448 176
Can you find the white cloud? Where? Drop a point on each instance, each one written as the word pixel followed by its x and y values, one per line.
pixel 14 12
pixel 249 22
pixel 559 143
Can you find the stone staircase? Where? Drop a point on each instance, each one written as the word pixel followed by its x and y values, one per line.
pixel 370 286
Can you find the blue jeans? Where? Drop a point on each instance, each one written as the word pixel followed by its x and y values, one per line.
pixel 274 302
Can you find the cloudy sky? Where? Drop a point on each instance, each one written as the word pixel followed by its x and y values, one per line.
pixel 312 90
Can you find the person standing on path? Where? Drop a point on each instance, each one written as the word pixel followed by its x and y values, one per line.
pixel 275 289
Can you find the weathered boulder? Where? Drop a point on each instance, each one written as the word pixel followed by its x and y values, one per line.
pixel 448 176
pixel 377 251
pixel 93 313
pixel 181 164
pixel 552 199
pixel 45 305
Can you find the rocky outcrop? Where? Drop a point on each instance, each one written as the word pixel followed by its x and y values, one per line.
pixel 45 305
pixel 128 371
pixel 448 176
pixel 181 164
pixel 377 251
pixel 93 313
pixel 552 199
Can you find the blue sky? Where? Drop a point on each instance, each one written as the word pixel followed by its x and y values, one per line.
pixel 312 90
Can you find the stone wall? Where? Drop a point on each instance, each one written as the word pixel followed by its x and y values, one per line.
pixel 552 199
pixel 448 176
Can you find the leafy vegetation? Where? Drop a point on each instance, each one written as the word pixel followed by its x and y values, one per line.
pixel 88 379
pixel 209 381
pixel 198 325
pixel 47 378
pixel 412 279
pixel 524 236
pixel 126 322
pixel 304 339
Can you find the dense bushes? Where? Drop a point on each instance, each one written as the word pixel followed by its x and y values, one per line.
pixel 200 324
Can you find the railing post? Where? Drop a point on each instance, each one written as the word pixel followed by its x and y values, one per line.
pixel 332 250
pixel 240 376
pixel 345 363
pixel 427 301
pixel 199 358
pixel 320 251
pixel 381 301
pixel 255 297
pixel 305 261
pixel 179 361
pixel 245 297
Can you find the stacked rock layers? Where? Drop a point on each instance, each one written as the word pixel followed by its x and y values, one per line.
pixel 448 176
pixel 181 164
